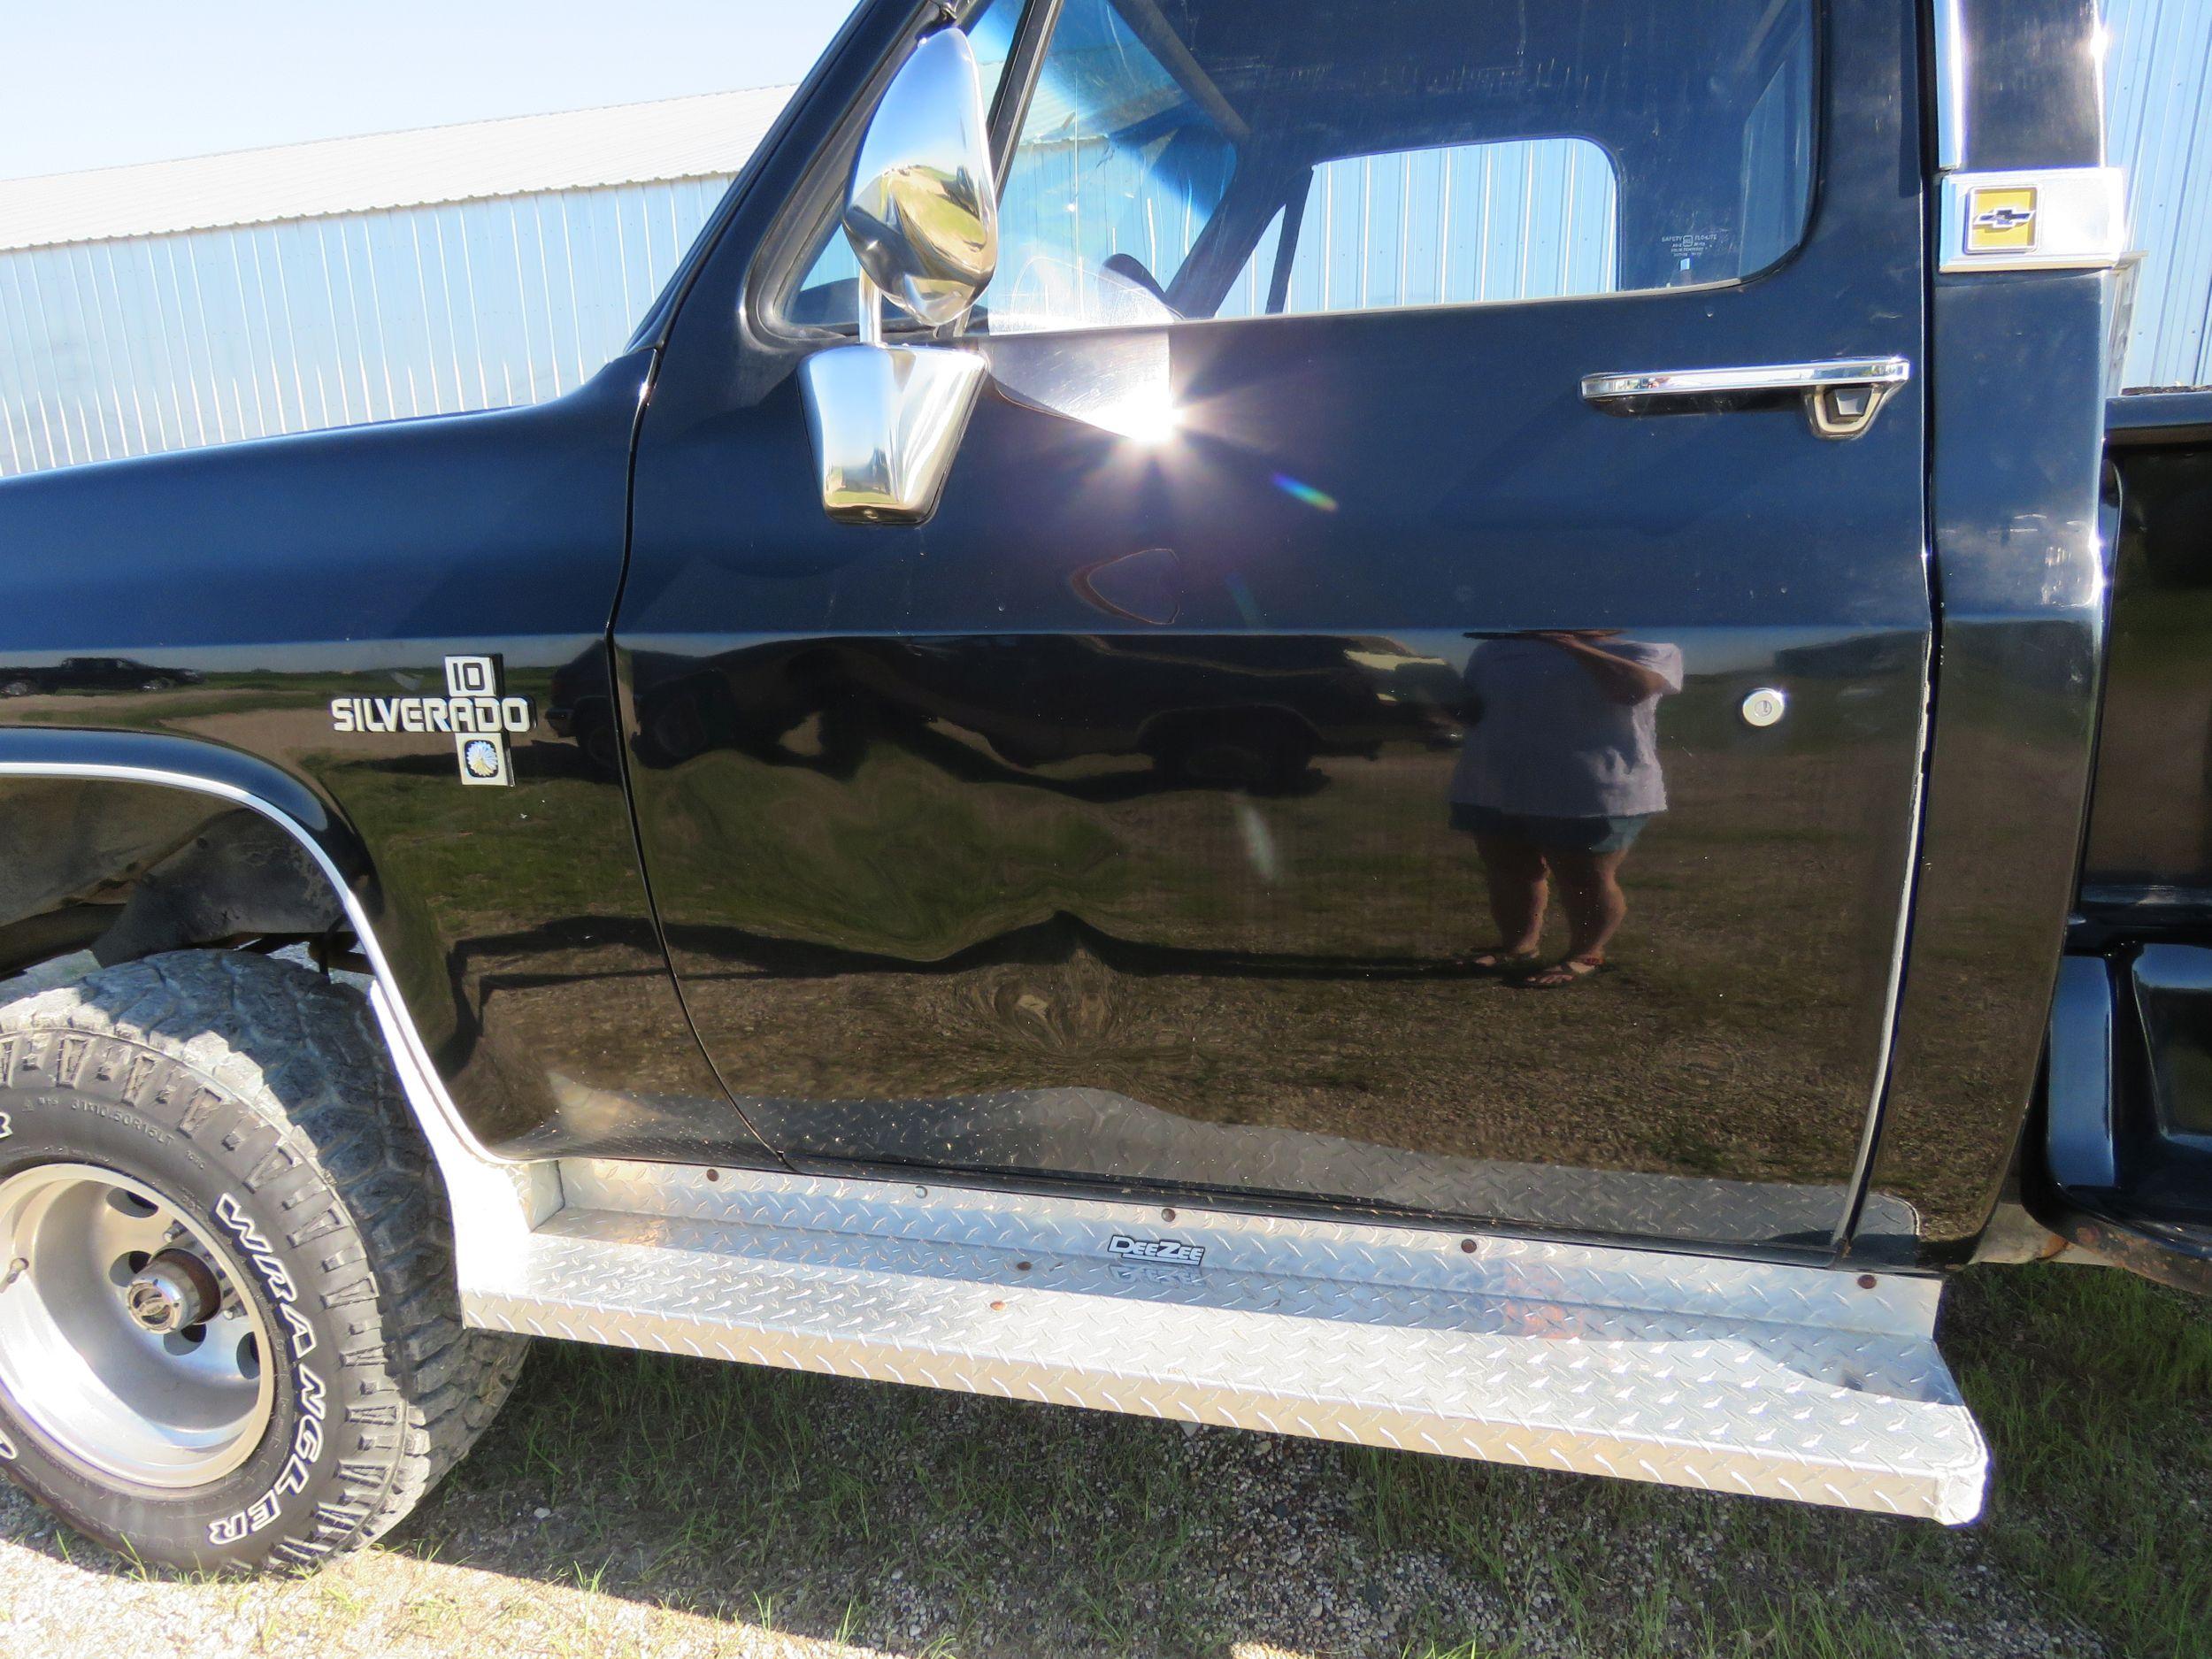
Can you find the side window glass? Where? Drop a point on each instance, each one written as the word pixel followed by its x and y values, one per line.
pixel 1119 169
pixel 1778 163
pixel 1518 219
pixel 1233 159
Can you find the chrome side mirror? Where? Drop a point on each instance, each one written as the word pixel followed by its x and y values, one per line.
pixel 922 211
pixel 922 217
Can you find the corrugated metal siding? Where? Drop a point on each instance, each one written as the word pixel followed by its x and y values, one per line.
pixel 525 155
pixel 164 342
pixel 2158 121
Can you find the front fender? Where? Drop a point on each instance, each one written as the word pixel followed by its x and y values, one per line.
pixel 312 629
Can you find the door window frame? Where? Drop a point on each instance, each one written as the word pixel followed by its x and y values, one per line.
pixel 771 276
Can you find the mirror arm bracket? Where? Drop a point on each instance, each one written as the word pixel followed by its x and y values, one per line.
pixel 869 303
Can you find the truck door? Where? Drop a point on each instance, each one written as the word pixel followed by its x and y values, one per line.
pixel 1412 696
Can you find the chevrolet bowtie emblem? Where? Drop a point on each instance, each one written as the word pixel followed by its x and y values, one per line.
pixel 2001 219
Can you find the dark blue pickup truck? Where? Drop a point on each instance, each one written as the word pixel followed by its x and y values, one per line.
pixel 1445 726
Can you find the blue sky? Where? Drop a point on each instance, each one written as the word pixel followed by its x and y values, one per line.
pixel 104 84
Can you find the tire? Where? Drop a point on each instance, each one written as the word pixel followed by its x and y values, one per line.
pixel 247 1105
pixel 17 689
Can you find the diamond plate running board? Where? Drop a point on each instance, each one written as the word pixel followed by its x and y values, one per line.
pixel 1733 1376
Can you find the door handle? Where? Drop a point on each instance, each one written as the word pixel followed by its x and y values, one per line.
pixel 1842 396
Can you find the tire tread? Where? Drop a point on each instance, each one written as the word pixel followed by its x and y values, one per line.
pixel 311 1090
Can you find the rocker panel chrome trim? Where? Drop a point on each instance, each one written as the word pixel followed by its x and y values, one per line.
pixel 1710 1373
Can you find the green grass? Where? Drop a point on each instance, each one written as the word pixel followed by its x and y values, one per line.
pixel 2095 1391
pixel 917 1522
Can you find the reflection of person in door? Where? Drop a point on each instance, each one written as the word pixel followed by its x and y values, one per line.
pixel 1559 776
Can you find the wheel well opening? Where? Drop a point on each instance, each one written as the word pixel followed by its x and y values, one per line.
pixel 122 890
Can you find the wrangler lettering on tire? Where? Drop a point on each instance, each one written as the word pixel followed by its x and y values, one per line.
pixel 212 1191
pixel 307 1440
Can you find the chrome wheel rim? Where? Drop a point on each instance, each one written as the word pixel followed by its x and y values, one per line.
pixel 128 1336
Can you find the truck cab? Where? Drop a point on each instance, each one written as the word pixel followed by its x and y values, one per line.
pixel 1375 721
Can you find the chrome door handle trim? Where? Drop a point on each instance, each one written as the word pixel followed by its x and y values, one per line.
pixel 1771 377
pixel 1841 396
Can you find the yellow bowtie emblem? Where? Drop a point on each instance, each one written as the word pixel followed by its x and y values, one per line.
pixel 2001 219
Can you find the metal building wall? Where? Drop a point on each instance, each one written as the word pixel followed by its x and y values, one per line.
pixel 2158 125
pixel 134 346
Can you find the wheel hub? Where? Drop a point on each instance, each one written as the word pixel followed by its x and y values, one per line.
pixel 174 1290
pixel 128 1338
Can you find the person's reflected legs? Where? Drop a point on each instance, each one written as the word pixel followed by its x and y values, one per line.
pixel 1590 893
pixel 1558 773
pixel 1515 871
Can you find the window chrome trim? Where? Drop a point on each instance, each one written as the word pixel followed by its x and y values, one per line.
pixel 784 258
pixel 1771 377
pixel 1951 67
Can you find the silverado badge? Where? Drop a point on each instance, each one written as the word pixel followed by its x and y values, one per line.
pixel 475 710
